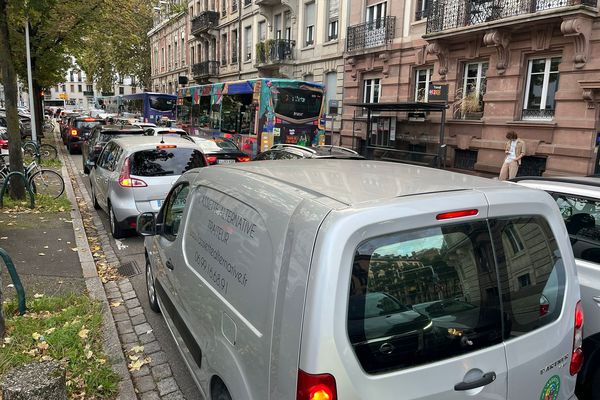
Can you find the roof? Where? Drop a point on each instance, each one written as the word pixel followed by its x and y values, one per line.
pixel 401 106
pixel 357 181
pixel 577 180
pixel 120 128
pixel 145 141
pixel 586 186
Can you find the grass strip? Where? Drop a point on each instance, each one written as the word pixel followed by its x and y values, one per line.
pixel 68 330
pixel 43 204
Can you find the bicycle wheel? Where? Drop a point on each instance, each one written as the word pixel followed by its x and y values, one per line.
pixel 30 151
pixel 48 152
pixel 47 182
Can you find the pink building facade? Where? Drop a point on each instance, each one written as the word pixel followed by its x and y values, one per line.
pixel 532 66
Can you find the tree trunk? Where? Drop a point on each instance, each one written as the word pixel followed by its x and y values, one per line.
pixel 37 105
pixel 9 78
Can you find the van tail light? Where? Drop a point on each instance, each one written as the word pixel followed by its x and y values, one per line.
pixel 73 132
pixel 315 387
pixel 544 305
pixel 243 158
pixel 211 159
pixel 577 355
pixel 457 214
pixel 125 179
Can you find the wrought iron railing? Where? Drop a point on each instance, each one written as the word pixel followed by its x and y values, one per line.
pixel 205 69
pixel 449 14
pixel 205 21
pixel 275 51
pixel 370 34
pixel 537 114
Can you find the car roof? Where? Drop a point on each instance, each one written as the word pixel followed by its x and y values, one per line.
pixel 141 142
pixel 116 129
pixel 588 186
pixel 358 181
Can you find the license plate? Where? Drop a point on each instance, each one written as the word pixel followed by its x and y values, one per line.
pixel 225 161
pixel 157 203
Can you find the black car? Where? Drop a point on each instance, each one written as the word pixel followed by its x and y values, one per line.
pixel 78 129
pixel 220 151
pixel 98 137
pixel 294 152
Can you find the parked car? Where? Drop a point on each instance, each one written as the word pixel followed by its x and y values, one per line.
pixel 134 174
pixel 3 141
pixel 263 273
pixel 144 125
pixel 219 150
pixel 578 199
pixel 98 137
pixel 161 130
pixel 64 124
pixel 294 152
pixel 78 130
pixel 24 124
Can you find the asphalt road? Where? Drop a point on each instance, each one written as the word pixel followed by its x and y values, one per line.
pixel 132 249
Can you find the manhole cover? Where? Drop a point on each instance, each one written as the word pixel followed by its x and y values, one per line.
pixel 129 268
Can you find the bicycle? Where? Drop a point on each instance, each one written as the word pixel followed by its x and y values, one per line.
pixel 43 181
pixel 38 151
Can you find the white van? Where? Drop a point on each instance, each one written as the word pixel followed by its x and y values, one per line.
pixel 342 279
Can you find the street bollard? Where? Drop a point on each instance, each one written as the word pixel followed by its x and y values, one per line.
pixel 27 186
pixel 15 279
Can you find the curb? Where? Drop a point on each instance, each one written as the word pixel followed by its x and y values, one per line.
pixel 111 343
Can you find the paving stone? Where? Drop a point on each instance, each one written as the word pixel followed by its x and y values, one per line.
pixel 152 347
pixel 138 319
pixel 113 295
pixel 144 371
pixel 119 310
pixel 150 396
pixel 129 337
pixel 136 311
pixel 121 317
pixel 111 286
pixel 129 295
pixel 142 328
pixel 166 386
pixel 125 284
pixel 144 384
pixel 124 327
pixel 161 371
pixel 147 338
pixel 132 303
pixel 160 357
pixel 174 396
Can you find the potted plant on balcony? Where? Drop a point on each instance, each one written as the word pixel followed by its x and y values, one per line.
pixel 469 105
pixel 261 55
pixel 270 50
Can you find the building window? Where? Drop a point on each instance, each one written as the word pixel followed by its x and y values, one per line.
pixel 247 2
pixel 330 87
pixel 182 51
pixel 234 46
pixel 333 21
pixel 72 88
pixel 277 26
pixel 524 280
pixel 309 78
pixel 223 8
pixel 371 90
pixel 248 43
pixel 465 159
pixel 224 50
pixel 422 82
pixel 470 104
pixel 309 23
pixel 175 54
pixel 79 88
pixel 262 31
pixel 121 90
pixel 376 15
pixel 133 90
pixel 542 83
pixel 233 6
pixel 422 10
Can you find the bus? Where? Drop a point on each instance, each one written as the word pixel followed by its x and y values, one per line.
pixel 255 113
pixel 145 107
pixel 56 103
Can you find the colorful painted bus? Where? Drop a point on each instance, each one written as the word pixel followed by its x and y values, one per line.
pixel 255 113
pixel 146 106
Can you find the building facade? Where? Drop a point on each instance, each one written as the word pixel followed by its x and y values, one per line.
pixel 521 65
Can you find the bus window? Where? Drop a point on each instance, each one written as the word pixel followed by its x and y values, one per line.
pixel 235 113
pixel 298 103
pixel 201 113
pixel 161 103
pixel 183 111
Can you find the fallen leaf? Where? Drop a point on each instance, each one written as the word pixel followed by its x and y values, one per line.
pixel 83 333
pixel 35 335
pixel 46 247
pixel 10 285
pixel 102 361
pixel 41 254
pixel 74 248
pixel 89 354
pixel 49 331
pixel 134 358
pixel 149 331
pixel 32 352
pixel 47 358
pixel 43 346
pixel 3 237
pixel 38 296
pixel 137 349
pixel 136 365
pixel 7 340
pixel 115 304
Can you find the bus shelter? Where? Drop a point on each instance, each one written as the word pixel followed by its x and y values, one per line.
pixel 402 132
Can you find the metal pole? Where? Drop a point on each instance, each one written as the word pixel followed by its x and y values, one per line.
pixel 30 83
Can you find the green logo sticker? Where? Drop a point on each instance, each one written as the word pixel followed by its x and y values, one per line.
pixel 550 390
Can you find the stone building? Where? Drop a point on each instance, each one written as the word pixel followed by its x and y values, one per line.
pixel 522 65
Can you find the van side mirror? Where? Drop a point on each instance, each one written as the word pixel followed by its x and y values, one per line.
pixel 146 224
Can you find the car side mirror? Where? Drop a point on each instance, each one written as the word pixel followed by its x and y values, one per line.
pixel 146 224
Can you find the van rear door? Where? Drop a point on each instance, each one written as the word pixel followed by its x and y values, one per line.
pixel 539 293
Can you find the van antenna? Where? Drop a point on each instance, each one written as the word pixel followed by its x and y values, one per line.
pixel 162 138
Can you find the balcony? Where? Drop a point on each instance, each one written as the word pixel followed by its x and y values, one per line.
pixel 370 34
pixel 274 52
pixel 205 70
pixel 204 22
pixel 446 15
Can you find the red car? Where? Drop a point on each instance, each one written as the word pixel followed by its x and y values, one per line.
pixel 3 142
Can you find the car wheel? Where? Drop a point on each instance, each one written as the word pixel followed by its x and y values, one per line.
pixel 94 199
pixel 116 231
pixel 219 391
pixel 594 385
pixel 151 288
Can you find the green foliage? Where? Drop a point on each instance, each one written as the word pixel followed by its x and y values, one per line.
pixel 67 329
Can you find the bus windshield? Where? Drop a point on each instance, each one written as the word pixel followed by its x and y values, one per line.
pixel 162 103
pixel 298 103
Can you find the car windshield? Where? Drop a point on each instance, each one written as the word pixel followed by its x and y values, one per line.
pixel 226 145
pixel 164 162
pixel 208 146
pixel 162 103
pixel 86 125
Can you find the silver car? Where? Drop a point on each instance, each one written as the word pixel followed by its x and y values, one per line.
pixel 134 174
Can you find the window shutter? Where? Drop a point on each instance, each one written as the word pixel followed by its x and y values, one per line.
pixel 334 9
pixel 310 14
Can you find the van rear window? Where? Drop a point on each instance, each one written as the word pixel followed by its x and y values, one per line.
pixel 426 295
pixel 165 162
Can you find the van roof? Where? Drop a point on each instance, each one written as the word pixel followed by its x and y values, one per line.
pixel 358 181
